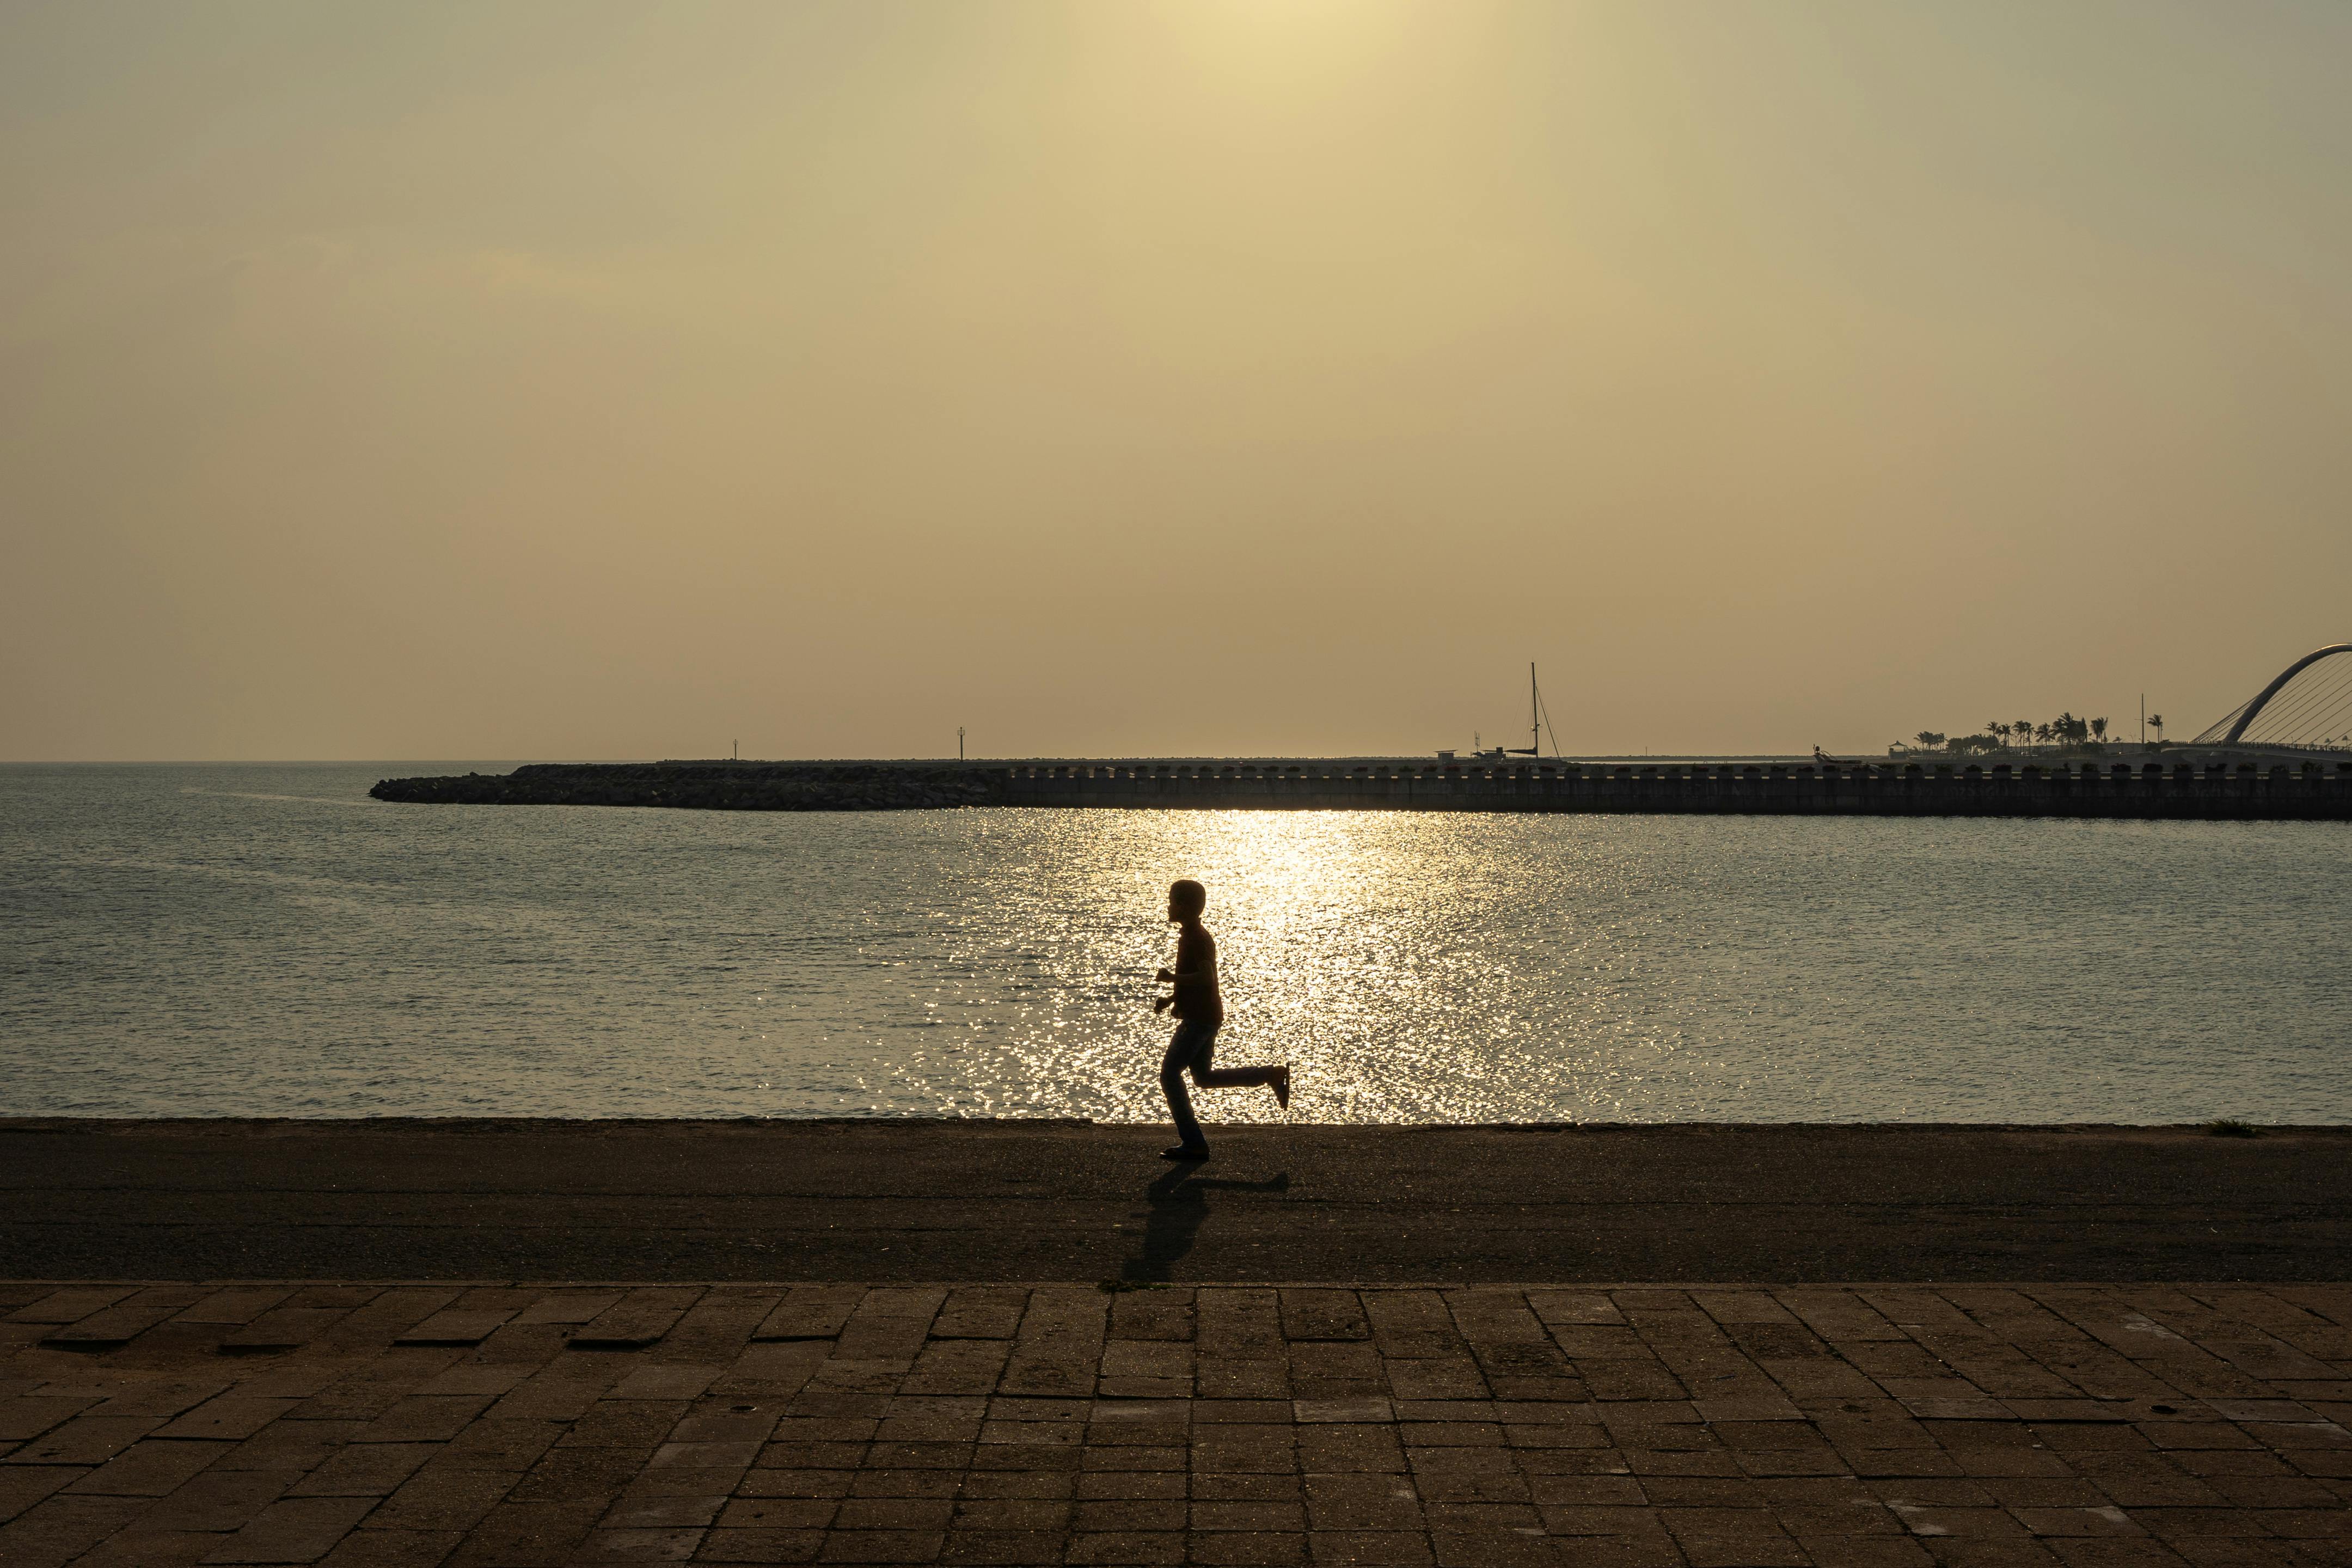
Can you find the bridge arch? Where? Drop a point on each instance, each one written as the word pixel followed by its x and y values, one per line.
pixel 2246 715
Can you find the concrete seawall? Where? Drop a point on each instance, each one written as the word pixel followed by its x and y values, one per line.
pixel 999 1200
pixel 2243 792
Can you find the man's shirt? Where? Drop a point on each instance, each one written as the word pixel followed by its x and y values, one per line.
pixel 1198 1000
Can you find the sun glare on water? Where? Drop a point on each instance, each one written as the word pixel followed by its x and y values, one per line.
pixel 1350 945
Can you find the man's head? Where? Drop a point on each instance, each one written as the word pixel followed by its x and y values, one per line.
pixel 1186 900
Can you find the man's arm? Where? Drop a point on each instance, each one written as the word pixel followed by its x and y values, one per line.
pixel 1174 977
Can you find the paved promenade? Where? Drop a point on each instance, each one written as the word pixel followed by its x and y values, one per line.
pixel 385 1425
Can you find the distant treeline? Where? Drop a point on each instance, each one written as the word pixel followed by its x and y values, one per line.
pixel 2001 735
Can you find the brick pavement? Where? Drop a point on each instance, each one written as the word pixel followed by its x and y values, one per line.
pixel 1848 1427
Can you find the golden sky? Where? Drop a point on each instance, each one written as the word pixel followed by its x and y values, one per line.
pixel 606 380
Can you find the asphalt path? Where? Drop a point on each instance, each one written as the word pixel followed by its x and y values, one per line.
pixel 1024 1200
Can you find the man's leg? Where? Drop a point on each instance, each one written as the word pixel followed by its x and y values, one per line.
pixel 1183 1048
pixel 1232 1077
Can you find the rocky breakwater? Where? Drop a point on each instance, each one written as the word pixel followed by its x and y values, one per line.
pixel 706 786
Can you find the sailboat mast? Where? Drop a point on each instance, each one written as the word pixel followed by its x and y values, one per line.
pixel 1535 714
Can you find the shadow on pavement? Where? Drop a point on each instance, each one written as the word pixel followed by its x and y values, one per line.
pixel 1179 1207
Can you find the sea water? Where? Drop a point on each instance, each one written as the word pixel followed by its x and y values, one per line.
pixel 265 940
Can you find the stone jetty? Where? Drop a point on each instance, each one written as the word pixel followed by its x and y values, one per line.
pixel 2213 790
pixel 708 786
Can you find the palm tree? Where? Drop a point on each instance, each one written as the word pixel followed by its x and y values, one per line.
pixel 1998 730
pixel 2098 729
pixel 2155 723
pixel 2024 728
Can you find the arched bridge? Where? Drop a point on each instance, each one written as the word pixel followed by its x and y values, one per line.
pixel 2306 706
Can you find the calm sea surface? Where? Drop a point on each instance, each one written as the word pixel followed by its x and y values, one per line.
pixel 225 941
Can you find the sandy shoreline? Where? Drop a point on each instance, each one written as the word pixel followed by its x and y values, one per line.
pixel 938 1201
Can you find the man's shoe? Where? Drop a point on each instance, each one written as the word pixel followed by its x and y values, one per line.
pixel 1282 1090
pixel 1185 1151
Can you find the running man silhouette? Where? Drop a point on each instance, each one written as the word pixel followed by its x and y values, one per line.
pixel 1201 1011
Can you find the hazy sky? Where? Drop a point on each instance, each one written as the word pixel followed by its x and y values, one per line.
pixel 507 381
